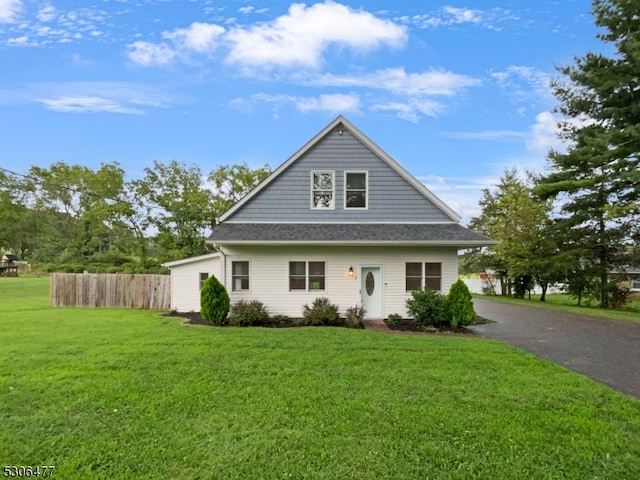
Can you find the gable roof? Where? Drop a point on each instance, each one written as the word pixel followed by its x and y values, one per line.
pixel 342 122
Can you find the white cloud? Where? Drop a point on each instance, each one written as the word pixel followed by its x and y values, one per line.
pixel 9 10
pixel 411 110
pixel 453 16
pixel 301 37
pixel 22 41
pixel 335 103
pixel 460 193
pixel 46 14
pixel 544 134
pixel 411 91
pixel 246 10
pixel 445 16
pixel 199 37
pixel 80 104
pixel 51 24
pixel 525 85
pixel 94 97
pixel 148 54
pixel 397 80
pixel 463 15
pixel 491 135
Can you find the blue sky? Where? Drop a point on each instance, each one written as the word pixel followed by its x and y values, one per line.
pixel 456 91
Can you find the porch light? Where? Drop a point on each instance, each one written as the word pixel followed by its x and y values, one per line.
pixel 351 273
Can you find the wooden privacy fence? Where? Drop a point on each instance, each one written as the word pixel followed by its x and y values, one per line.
pixel 111 290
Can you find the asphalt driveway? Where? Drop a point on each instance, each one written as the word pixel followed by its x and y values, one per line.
pixel 607 351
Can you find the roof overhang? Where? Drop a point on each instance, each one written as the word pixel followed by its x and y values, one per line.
pixel 359 243
pixel 184 261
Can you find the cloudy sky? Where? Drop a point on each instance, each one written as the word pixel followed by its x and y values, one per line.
pixel 455 91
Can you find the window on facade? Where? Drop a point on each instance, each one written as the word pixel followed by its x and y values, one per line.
pixel 322 190
pixel 307 276
pixel 414 276
pixel 433 276
pixel 355 190
pixel 297 276
pixel 423 275
pixel 203 278
pixel 239 276
pixel 635 283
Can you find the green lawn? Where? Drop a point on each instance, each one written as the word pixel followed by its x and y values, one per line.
pixel 566 303
pixel 125 394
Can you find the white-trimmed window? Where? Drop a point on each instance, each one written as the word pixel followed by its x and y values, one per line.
pixel 423 275
pixel 323 190
pixel 240 276
pixel 356 186
pixel 203 278
pixel 307 276
pixel 635 282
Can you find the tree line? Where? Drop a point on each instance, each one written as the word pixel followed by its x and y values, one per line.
pixel 578 224
pixel 74 218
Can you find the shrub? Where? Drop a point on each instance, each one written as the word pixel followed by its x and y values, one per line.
pixel 245 313
pixel 394 319
pixel 354 316
pixel 460 305
pixel 428 308
pixel 321 312
pixel 214 301
pixel 280 319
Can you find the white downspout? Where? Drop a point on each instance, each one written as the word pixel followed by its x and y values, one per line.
pixel 224 265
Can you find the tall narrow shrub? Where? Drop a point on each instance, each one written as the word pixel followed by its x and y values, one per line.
pixel 214 301
pixel 460 305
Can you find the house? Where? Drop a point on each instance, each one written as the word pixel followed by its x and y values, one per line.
pixel 339 219
pixel 8 265
pixel 632 281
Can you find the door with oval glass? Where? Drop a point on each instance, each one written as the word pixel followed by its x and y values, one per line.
pixel 371 291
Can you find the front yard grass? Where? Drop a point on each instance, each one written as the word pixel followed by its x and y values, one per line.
pixel 126 394
pixel 566 303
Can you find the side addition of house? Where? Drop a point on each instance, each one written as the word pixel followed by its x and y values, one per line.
pixel 339 219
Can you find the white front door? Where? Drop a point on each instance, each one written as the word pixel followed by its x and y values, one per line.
pixel 371 291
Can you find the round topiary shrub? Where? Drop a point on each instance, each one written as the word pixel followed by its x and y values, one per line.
pixel 460 305
pixel 214 301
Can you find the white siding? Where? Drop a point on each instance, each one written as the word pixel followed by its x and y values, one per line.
pixel 269 274
pixel 185 283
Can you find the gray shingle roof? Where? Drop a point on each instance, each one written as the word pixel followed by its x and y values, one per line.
pixel 445 233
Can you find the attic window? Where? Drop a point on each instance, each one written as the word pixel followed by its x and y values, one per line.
pixel 322 190
pixel 355 190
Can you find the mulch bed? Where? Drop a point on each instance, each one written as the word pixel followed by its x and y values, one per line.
pixel 405 325
pixel 194 318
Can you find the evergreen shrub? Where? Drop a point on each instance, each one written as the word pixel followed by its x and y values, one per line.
pixel 214 301
pixel 460 305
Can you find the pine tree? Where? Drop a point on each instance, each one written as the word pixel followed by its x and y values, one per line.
pixel 597 179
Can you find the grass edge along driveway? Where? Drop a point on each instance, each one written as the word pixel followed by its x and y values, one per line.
pixel 119 394
pixel 564 303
